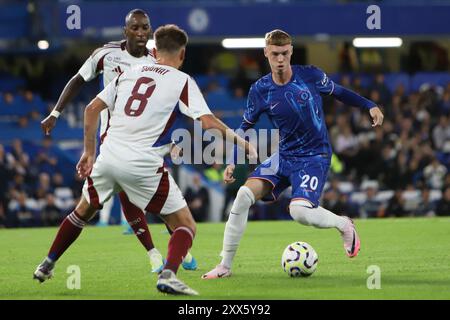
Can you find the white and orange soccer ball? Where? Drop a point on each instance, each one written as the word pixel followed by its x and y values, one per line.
pixel 299 259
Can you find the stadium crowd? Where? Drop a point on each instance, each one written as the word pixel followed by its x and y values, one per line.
pixel 400 169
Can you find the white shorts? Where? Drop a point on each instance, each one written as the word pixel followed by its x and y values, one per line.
pixel 150 188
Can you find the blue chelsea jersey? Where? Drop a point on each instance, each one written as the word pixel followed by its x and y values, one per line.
pixel 295 109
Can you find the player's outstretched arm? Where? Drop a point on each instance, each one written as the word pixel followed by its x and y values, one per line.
pixel 210 121
pixel 69 92
pixel 350 97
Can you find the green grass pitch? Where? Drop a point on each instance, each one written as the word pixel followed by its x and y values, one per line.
pixel 412 254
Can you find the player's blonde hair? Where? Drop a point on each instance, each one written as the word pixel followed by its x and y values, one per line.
pixel 170 38
pixel 278 37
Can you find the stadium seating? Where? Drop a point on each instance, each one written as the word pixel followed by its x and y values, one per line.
pixel 14 107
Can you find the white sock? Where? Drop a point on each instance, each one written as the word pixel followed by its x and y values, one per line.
pixel 153 251
pixel 235 226
pixel 188 257
pixel 105 213
pixel 303 212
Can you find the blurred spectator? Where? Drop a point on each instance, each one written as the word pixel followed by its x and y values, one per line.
pixel 44 183
pixel 341 121
pixel 346 147
pixel 63 194
pixel 395 207
pixel 371 60
pixel 426 206
pixel 197 198
pixel 336 166
pixel 447 181
pixel 400 174
pixel 225 62
pixel 11 106
pixel 250 66
pixel 383 91
pixel 241 81
pixel 42 188
pixel 2 217
pixel 51 215
pixel 5 176
pixel 445 104
pixel 46 160
pixel 336 202
pixel 441 134
pixel 434 174
pixel 371 206
pixel 214 86
pixel 348 60
pixel 443 206
pixel 427 56
pixel 358 87
pixel 23 211
pixel 18 160
pixel 214 173
pixel 18 185
pixel 346 143
pixel 23 122
pixel 35 102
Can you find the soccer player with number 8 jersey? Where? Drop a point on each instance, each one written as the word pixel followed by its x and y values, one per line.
pixel 109 61
pixel 143 103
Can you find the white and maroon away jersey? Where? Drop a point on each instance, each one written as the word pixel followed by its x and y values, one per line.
pixel 111 60
pixel 143 103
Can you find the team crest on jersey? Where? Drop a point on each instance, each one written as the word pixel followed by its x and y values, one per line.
pixel 303 96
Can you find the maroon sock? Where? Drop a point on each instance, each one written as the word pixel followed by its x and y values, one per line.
pixel 179 244
pixel 68 232
pixel 138 222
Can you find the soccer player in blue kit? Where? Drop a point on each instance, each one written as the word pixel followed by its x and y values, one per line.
pixel 290 96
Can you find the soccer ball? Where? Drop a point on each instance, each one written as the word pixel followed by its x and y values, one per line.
pixel 299 259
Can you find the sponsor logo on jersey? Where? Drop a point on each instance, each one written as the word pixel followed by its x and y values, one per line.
pixel 118 60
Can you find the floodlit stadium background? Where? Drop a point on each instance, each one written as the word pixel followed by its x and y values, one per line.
pixel 400 169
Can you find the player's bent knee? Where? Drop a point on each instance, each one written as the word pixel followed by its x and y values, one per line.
pixel 300 211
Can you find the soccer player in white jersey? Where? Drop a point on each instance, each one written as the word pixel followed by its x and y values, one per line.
pixel 111 60
pixel 143 103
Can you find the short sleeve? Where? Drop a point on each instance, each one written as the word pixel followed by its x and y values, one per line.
pixel 108 94
pixel 93 66
pixel 193 103
pixel 322 82
pixel 253 109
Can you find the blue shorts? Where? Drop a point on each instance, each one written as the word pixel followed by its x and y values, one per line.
pixel 306 175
